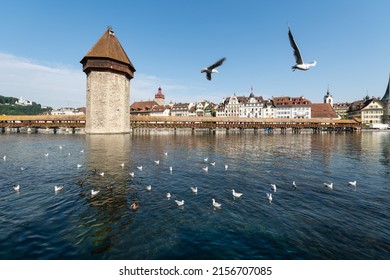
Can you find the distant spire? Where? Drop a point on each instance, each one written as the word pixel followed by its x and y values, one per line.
pixel 367 97
pixel 251 95
pixel 386 97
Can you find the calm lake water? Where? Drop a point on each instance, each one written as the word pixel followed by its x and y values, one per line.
pixel 312 222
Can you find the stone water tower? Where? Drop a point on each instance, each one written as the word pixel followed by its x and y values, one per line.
pixel 109 72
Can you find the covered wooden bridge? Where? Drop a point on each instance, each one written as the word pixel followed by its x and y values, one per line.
pixel 244 123
pixel 137 122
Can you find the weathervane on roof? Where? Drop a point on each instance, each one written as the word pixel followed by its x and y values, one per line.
pixel 109 28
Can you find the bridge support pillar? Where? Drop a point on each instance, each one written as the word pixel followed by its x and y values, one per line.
pixel 3 130
pixel 55 130
pixel 17 130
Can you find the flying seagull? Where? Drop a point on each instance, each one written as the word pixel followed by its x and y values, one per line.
pixel 300 65
pixel 212 68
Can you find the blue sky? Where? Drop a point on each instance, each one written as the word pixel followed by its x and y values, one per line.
pixel 170 41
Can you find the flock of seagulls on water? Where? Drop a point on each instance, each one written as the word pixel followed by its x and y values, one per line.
pixel 217 205
pixel 299 62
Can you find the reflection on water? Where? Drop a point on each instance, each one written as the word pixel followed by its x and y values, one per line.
pixel 108 212
pixel 309 223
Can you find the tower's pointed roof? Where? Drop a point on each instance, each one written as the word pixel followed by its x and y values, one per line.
pixel 386 97
pixel 108 47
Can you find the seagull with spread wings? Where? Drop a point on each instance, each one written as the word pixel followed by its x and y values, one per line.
pixel 300 65
pixel 212 68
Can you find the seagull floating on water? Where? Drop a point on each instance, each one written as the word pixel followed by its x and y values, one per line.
pixel 226 166
pixel 179 202
pixel 47 154
pixel 170 169
pixel 79 165
pixel 206 168
pixel 139 167
pixel 236 194
pixel 212 163
pixel 101 174
pixel 216 204
pixel 294 186
pixel 157 161
pixel 205 159
pixel 16 187
pixel 4 157
pixel 329 185
pixel 148 187
pixel 273 187
pixel 269 196
pixel 166 153
pixel 300 65
pixel 212 68
pixel 194 190
pixel 169 195
pixel 58 188
pixel 131 174
pixel 122 164
pixel 352 183
pixel 93 192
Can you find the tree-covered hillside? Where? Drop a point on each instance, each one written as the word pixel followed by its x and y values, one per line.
pixel 8 107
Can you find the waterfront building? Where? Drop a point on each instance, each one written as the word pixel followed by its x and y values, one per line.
pixel 292 107
pixel 252 107
pixel 204 109
pixel 160 111
pixel 341 109
pixel 386 104
pixel 181 109
pixel 269 110
pixel 67 111
pixel 234 105
pixel 109 71
pixel 369 110
pixel 142 107
pixel 246 107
